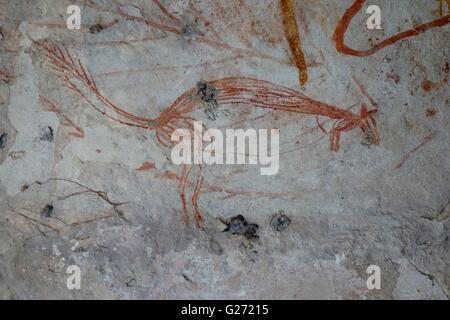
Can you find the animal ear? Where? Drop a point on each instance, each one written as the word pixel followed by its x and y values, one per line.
pixel 373 112
pixel 363 111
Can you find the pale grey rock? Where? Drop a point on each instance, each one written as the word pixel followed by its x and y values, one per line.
pixel 366 205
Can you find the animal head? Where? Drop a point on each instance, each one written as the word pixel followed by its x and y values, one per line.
pixel 368 124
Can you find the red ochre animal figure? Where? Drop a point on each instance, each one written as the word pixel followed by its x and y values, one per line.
pixel 230 92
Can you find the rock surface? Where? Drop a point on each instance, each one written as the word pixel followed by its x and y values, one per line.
pixel 79 189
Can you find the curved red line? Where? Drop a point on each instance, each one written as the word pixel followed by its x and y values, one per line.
pixel 350 13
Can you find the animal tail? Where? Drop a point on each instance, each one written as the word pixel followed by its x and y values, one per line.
pixel 73 74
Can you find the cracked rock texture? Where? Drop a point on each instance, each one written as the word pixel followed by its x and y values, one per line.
pixel 77 188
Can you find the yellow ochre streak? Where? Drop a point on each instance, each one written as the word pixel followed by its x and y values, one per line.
pixel 293 37
pixel 441 7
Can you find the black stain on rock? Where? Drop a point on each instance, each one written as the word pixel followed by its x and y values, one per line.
pixel 250 251
pixel 188 32
pixel 47 134
pixel 96 28
pixel 215 246
pixel 131 282
pixel 185 277
pixel 3 140
pixel 47 211
pixel 239 226
pixel 208 94
pixel 280 221
pixel 367 139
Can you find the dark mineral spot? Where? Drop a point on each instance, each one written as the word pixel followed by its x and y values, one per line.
pixel 188 32
pixel 250 251
pixel 80 249
pixel 427 85
pixel 446 67
pixel 185 277
pixel 131 282
pixel 47 134
pixel 367 139
pixel 431 112
pixel 47 211
pixel 394 77
pixel 238 225
pixel 215 247
pixel 280 221
pixel 3 140
pixel 208 94
pixel 96 28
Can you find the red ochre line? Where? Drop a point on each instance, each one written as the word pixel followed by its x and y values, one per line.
pixel 350 13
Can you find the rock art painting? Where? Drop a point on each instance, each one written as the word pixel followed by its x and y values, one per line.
pixel 91 112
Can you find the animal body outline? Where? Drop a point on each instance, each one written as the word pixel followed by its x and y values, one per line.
pixel 231 91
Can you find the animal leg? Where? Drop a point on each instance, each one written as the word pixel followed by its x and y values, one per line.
pixel 182 190
pixel 320 125
pixel 197 214
pixel 334 139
